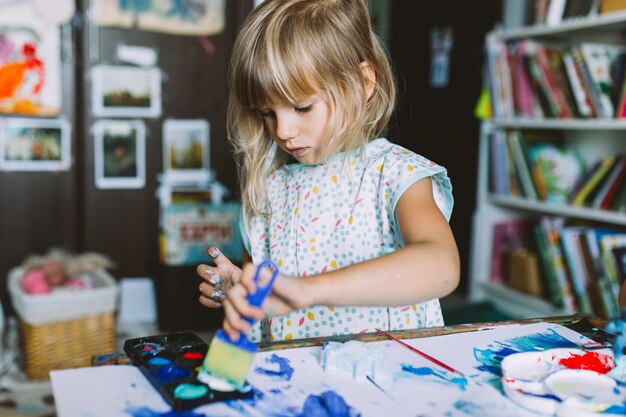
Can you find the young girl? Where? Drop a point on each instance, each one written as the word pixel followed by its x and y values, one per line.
pixel 357 225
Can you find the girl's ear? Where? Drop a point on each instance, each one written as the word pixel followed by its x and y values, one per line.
pixel 369 75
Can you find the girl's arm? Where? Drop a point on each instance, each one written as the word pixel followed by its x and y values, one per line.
pixel 426 267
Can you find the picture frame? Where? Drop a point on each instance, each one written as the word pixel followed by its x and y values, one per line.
pixel 32 49
pixel 35 144
pixel 126 91
pixel 186 149
pixel 120 154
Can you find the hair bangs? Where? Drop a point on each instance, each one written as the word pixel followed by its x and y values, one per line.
pixel 281 79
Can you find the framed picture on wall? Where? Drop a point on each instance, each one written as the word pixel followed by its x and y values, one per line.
pixel 186 150
pixel 120 154
pixel 35 144
pixel 125 91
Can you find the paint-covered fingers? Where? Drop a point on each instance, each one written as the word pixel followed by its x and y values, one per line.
pixel 223 266
pixel 210 296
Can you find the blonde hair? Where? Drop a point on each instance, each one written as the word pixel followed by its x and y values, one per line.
pixel 289 49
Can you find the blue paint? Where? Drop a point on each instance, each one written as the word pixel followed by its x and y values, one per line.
pixel 166 374
pixel 491 357
pixel 147 412
pixel 616 409
pixel 469 408
pixel 444 376
pixel 285 371
pixel 328 404
pixel 159 361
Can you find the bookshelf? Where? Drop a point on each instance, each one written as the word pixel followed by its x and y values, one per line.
pixel 592 136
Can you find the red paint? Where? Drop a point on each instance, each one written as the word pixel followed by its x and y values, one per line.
pixel 592 361
pixel 193 355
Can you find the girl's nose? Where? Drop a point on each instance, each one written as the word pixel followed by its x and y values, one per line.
pixel 285 130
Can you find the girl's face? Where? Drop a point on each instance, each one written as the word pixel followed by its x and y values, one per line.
pixel 300 129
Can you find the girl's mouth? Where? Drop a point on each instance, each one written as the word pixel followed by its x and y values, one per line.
pixel 297 151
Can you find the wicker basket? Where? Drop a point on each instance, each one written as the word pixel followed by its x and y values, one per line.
pixel 64 329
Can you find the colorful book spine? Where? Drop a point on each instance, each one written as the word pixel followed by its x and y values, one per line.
pixel 552 227
pixel 552 280
pixel 573 257
pixel 605 166
pixel 521 165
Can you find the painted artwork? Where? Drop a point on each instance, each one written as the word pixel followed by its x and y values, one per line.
pixel 190 17
pixel 125 91
pixel 30 63
pixel 292 382
pixel 28 144
pixel 120 153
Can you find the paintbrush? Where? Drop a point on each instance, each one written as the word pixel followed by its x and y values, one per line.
pixel 419 352
pixel 227 363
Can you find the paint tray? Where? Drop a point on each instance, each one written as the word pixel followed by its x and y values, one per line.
pixel 171 363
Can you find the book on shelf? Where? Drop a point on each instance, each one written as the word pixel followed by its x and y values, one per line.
pixel 554 14
pixel 539 82
pixel 508 236
pixel 619 258
pixel 605 292
pixel 599 294
pixel 618 75
pixel 522 166
pixel 499 78
pixel 600 58
pixel 525 100
pixel 587 81
pixel 611 185
pixel 597 188
pixel 584 106
pixel 593 182
pixel 551 227
pixel 549 74
pixel 515 187
pixel 607 244
pixel 498 172
pixel 553 285
pixel 541 10
pixel 572 251
pixel 556 166
pixel 563 84
pixel 580 8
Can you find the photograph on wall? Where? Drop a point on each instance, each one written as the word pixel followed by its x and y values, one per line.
pixel 125 91
pixel 28 144
pixel 191 17
pixel 120 154
pixel 30 63
pixel 186 149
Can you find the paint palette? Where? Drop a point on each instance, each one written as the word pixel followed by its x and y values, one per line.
pixel 563 381
pixel 171 363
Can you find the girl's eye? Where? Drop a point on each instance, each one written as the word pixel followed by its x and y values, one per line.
pixel 304 109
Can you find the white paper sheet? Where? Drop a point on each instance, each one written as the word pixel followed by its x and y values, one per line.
pixel 413 385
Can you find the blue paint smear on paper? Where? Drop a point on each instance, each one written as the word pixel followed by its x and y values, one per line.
pixel 443 376
pixel 490 358
pixel 147 412
pixel 327 404
pixel 616 409
pixel 285 371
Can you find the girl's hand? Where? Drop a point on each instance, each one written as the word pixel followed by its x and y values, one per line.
pixel 288 293
pixel 218 279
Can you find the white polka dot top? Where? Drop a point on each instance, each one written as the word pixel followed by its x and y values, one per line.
pixel 332 215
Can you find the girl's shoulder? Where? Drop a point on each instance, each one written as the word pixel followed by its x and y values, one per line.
pixel 384 153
